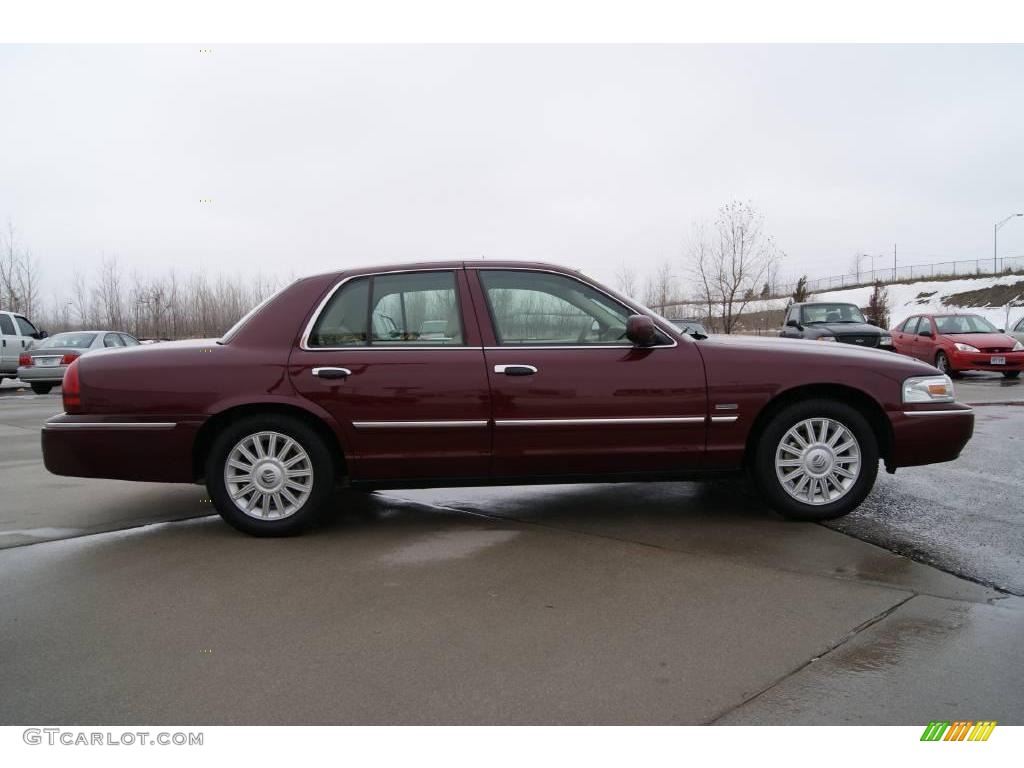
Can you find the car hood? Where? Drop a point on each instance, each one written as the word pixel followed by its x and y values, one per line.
pixel 982 339
pixel 860 329
pixel 796 351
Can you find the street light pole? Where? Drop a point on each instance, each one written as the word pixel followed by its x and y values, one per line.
pixel 995 241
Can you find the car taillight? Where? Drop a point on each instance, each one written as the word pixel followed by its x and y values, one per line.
pixel 69 358
pixel 24 359
pixel 70 388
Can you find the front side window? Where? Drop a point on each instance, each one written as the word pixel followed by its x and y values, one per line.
pixel 540 308
pixel 6 326
pixel 406 309
pixel 911 325
pixel 26 328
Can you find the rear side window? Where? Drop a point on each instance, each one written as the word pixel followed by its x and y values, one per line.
pixel 26 328
pixel 406 309
pixel 112 340
pixel 129 341
pixel 6 326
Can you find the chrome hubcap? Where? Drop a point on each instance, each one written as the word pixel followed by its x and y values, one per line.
pixel 818 461
pixel 268 475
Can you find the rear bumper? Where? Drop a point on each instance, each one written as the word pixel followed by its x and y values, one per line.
pixel 930 435
pixel 42 375
pixel 119 448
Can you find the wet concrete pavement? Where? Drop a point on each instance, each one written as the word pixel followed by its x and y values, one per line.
pixel 659 603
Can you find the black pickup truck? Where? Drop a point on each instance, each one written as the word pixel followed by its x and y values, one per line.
pixel 832 321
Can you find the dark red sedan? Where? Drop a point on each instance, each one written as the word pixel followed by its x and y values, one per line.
pixel 956 343
pixel 469 373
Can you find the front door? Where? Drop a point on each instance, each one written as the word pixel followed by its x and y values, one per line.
pixel 397 361
pixel 570 395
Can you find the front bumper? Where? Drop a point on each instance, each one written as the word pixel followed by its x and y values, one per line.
pixel 42 374
pixel 981 361
pixel 119 448
pixel 929 434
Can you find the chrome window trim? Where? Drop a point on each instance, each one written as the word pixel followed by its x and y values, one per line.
pixel 579 279
pixel 457 424
pixel 951 412
pixel 113 425
pixel 304 341
pixel 599 421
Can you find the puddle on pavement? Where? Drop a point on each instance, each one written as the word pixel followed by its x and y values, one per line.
pixel 447 545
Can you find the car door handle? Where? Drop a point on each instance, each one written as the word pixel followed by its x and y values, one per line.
pixel 516 369
pixel 332 373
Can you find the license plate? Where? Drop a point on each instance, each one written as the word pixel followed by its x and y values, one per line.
pixel 997 360
pixel 47 362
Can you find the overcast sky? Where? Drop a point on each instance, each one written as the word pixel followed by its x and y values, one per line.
pixel 321 157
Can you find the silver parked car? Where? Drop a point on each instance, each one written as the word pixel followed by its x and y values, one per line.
pixel 44 364
pixel 1017 331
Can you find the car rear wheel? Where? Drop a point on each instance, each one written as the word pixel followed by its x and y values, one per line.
pixel 1011 374
pixel 42 389
pixel 269 475
pixel 816 460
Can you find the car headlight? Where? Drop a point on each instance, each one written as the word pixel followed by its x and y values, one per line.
pixel 826 338
pixel 928 389
pixel 965 347
pixel 1018 347
pixel 885 341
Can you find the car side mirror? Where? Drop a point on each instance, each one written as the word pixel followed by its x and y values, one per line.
pixel 925 333
pixel 641 331
pixel 1002 330
pixel 793 324
pixel 41 335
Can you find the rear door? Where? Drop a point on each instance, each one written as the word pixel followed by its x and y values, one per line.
pixel 924 346
pixel 396 359
pixel 572 396
pixel 904 338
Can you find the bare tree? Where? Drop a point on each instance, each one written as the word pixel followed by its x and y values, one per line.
pixel 19 275
pixel 625 280
pixel 731 264
pixel 659 288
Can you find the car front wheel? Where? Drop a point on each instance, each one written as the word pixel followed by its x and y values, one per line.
pixel 816 460
pixel 269 475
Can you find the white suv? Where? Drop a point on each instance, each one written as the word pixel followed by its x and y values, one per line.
pixel 16 336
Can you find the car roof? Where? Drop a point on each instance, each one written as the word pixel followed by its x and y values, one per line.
pixel 465 264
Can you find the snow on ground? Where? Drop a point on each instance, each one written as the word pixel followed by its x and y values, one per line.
pixel 904 301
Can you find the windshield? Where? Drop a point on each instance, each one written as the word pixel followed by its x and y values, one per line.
pixel 72 340
pixel 964 324
pixel 830 313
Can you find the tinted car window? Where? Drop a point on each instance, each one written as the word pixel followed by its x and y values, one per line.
pixel 415 308
pixel 831 313
pixel 964 324
pixel 112 340
pixel 26 328
pixel 342 323
pixel 129 341
pixel 6 326
pixel 75 340
pixel 537 308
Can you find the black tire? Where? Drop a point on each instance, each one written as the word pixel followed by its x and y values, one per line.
pixel 1011 374
pixel 42 389
pixel 770 485
pixel 319 462
pixel 942 363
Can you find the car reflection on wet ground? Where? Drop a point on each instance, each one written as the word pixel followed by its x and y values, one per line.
pixel 657 603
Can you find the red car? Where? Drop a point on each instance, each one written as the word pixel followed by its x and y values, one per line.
pixel 538 375
pixel 955 343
